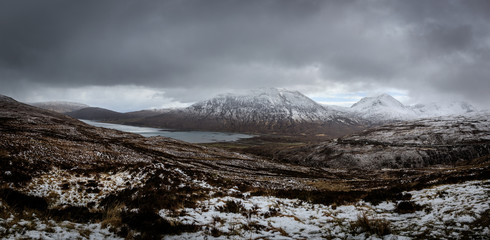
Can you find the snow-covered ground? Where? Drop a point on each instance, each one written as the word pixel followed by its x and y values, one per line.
pixel 64 188
pixel 35 228
pixel 446 211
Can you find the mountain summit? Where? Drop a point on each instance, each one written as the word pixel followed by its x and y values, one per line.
pixel 381 108
pixel 262 105
pixel 384 100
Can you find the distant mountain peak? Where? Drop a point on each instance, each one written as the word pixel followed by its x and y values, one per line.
pixel 266 93
pixel 262 102
pixel 384 108
pixel 384 99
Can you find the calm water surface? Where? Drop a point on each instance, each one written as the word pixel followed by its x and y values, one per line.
pixel 188 136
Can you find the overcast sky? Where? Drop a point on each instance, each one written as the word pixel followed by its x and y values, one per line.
pixel 129 55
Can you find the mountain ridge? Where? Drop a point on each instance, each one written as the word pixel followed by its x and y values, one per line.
pixel 259 111
pixel 384 108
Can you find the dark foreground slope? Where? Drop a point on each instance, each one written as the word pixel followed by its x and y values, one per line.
pixel 57 169
pixel 452 140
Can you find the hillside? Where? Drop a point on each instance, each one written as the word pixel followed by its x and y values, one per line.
pixel 60 106
pixel 409 144
pixel 62 178
pixel 95 113
pixel 102 114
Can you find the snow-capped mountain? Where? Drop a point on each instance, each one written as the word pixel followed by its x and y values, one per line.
pixel 264 105
pixel 382 108
pixel 60 106
pixel 260 111
pixel 385 108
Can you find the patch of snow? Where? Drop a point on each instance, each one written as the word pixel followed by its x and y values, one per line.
pixel 61 187
pixel 446 208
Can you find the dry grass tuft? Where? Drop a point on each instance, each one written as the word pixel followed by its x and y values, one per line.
pixel 331 186
pixel 112 216
pixel 376 226
pixel 231 206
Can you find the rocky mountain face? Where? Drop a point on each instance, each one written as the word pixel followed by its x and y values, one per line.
pixel 261 111
pixel 412 144
pixel 384 109
pixel 59 106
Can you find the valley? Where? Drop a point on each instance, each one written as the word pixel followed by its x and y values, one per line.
pixel 62 178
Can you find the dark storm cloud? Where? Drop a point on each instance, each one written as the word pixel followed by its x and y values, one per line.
pixel 425 47
pixel 109 42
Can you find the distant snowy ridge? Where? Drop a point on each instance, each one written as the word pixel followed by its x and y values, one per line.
pixel 385 108
pixel 443 109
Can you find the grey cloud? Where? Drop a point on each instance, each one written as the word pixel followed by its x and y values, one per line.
pixel 206 46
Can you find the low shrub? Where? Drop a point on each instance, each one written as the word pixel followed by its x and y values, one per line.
pixel 407 207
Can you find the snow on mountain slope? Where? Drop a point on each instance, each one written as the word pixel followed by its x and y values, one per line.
pixel 259 111
pixel 385 108
pixel 381 108
pixel 261 104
